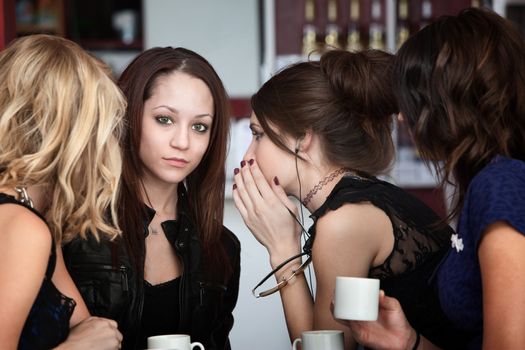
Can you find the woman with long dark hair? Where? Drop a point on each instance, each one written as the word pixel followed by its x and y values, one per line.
pixel 460 83
pixel 177 268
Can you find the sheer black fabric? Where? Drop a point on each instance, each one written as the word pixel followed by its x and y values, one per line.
pixel 420 242
pixel 47 324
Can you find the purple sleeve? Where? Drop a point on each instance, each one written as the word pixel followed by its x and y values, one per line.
pixel 498 194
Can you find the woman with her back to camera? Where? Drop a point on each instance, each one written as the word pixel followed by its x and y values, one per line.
pixel 461 89
pixel 60 119
pixel 177 268
pixel 321 133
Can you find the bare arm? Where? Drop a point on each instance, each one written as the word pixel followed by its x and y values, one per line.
pixel 502 261
pixel 348 242
pixel 265 210
pixel 25 245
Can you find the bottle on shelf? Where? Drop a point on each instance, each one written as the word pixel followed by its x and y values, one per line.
pixel 309 30
pixel 331 39
pixel 353 40
pixel 376 29
pixel 402 23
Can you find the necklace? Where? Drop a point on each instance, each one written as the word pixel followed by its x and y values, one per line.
pixel 327 179
pixel 151 230
pixel 23 197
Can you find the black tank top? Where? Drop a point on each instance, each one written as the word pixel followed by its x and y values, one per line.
pixel 47 324
pixel 161 309
pixel 420 242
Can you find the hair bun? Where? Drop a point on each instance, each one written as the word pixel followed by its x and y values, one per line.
pixel 362 82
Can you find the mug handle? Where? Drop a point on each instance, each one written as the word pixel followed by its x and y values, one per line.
pixel 294 345
pixel 197 344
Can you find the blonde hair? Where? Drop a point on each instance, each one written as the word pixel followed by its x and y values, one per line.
pixel 60 124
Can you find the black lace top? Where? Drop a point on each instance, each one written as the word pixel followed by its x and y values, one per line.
pixel 47 324
pixel 419 245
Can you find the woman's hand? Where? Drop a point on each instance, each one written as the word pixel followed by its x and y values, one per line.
pixel 93 333
pixel 390 331
pixel 266 210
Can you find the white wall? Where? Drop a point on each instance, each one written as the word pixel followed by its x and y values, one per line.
pixel 259 323
pixel 225 32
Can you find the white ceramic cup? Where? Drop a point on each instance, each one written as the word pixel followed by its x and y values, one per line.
pixel 356 298
pixel 320 340
pixel 173 341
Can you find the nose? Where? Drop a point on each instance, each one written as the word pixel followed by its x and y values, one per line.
pixel 250 152
pixel 180 138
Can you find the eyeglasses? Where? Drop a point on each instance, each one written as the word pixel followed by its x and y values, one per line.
pixel 285 280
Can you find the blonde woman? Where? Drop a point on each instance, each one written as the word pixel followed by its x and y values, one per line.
pixel 60 164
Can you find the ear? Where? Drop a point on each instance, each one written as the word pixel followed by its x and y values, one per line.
pixel 305 142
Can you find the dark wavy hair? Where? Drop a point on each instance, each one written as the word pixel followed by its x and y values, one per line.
pixel 460 84
pixel 346 98
pixel 205 184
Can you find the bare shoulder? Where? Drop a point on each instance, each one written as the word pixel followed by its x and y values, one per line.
pixel 353 220
pixel 19 224
pixel 25 246
pixel 360 232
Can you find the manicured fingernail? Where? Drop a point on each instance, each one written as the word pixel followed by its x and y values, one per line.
pixel 234 186
pixel 243 163
pixel 276 181
pixel 235 171
pixel 251 161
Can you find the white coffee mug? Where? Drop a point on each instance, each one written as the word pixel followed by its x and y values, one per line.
pixel 173 341
pixel 320 340
pixel 356 298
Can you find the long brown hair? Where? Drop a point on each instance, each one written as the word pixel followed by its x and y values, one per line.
pixel 460 83
pixel 345 98
pixel 205 184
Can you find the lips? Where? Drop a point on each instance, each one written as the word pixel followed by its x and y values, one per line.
pixel 176 162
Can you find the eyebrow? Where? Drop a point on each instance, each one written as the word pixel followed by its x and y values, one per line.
pixel 175 111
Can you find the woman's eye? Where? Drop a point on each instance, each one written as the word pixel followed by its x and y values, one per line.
pixel 164 120
pixel 257 135
pixel 200 127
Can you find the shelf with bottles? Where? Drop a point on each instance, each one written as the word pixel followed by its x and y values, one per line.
pixel 297 29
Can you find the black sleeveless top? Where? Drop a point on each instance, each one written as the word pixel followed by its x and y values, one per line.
pixel 47 324
pixel 420 242
pixel 161 310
